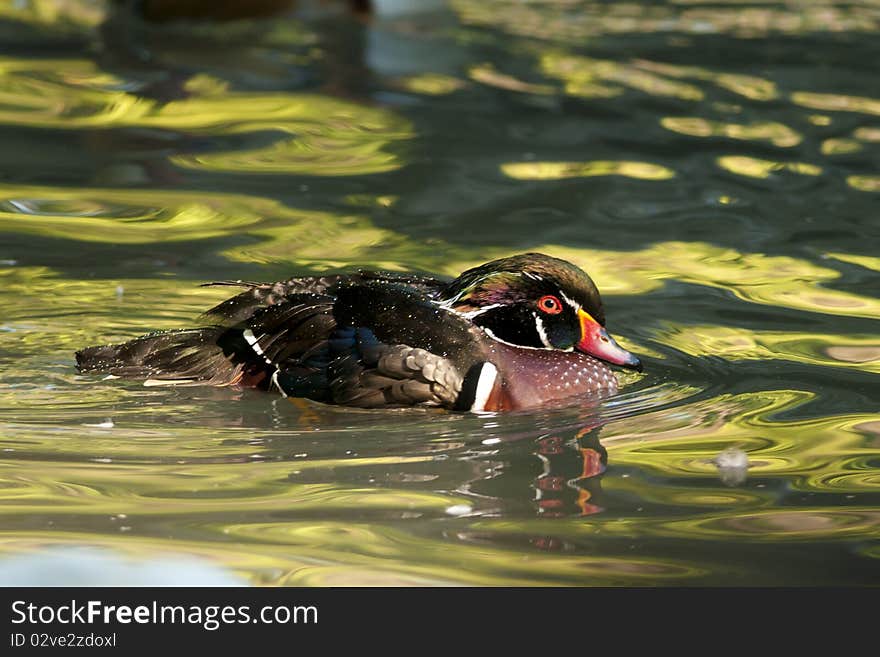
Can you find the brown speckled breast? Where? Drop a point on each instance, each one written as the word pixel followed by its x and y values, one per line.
pixel 529 378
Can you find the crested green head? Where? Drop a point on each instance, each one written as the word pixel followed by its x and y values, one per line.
pixel 520 278
pixel 536 301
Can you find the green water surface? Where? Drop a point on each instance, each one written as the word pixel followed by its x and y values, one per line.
pixel 714 165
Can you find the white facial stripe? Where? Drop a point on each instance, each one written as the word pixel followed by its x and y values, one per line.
pixel 510 344
pixel 571 302
pixel 485 385
pixel 477 313
pixel 539 325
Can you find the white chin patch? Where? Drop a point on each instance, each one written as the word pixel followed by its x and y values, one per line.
pixel 485 384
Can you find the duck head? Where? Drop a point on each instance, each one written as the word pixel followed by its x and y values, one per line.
pixel 537 301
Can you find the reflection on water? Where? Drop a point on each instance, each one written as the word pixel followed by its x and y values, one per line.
pixel 91 567
pixel 712 165
pixel 566 21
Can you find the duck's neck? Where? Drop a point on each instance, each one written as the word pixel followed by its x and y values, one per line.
pixel 530 378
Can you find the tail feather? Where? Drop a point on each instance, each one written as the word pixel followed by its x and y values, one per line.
pixel 185 357
pixel 262 337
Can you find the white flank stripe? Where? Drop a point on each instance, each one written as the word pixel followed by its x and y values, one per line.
pixel 485 384
pixel 251 339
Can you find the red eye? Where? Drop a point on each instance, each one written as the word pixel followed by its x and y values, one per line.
pixel 550 305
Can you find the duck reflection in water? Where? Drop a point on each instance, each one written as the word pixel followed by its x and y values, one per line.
pixel 550 474
pixel 554 475
pixel 571 479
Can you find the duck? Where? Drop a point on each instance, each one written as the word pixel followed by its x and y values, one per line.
pixel 516 333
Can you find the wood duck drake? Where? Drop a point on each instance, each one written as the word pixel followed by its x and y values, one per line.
pixel 514 333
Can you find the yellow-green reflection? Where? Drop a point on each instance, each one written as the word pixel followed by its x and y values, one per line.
pixel 836 102
pixel 840 146
pixel 133 216
pixel 812 452
pixel 332 242
pixel 753 167
pixel 106 488
pixel 868 262
pixel 587 77
pixel 41 89
pixel 333 137
pixel 235 503
pixel 369 201
pixel 867 134
pixel 859 352
pixel 333 553
pixel 431 84
pixel 712 495
pixel 560 170
pixel 782 525
pixel 748 86
pixel 864 183
pixel 108 310
pixel 459 560
pixel 129 216
pixel 554 19
pixel 314 155
pixel 775 133
pixel 57 13
pixel 487 74
pixel 328 136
